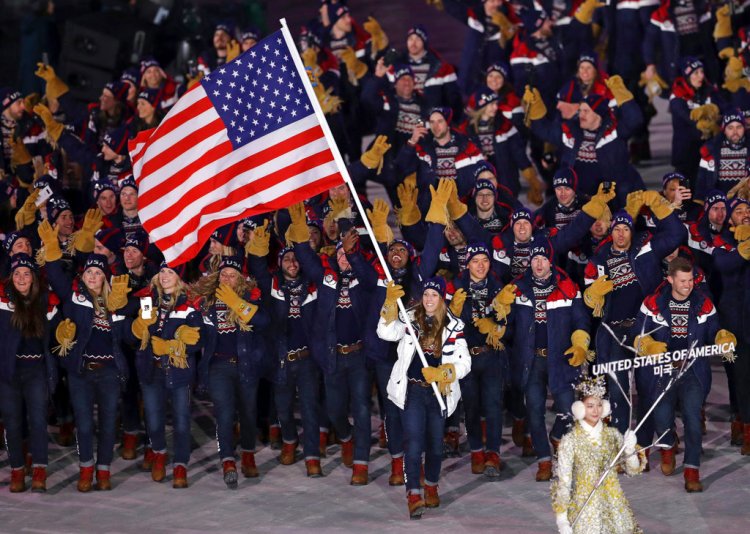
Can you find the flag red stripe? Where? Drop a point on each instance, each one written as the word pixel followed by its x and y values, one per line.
pixel 180 119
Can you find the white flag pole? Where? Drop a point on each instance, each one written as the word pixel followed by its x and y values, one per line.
pixel 342 169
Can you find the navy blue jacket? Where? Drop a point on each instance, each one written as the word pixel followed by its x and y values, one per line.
pixel 708 176
pixel 734 304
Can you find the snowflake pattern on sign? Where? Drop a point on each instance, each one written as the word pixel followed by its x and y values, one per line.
pixel 259 92
pixel 680 312
pixel 620 271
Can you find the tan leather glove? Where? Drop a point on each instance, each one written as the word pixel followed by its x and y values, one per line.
pixel 438 212
pixel 27 214
pixel 725 336
pixel 444 375
pixel 634 203
pixel 658 205
pixel 502 301
pixel 647 345
pixel 598 204
pixel 457 302
pixel 51 244
pixel 533 105
pixel 83 240
pixel 118 295
pixel 373 158
pixel 743 249
pixel 19 154
pixel 170 347
pixel 585 12
pixel 259 242
pixel 139 327
pixel 456 208
pixel 393 292
pixel 494 338
pixel 619 91
pixel 353 65
pixel 378 38
pixel 244 310
pixel 298 231
pixel 65 334
pixel 408 214
pixel 723 27
pixel 654 86
pixel 579 350
pixel 507 30
pixel 189 335
pixel 55 86
pixel 536 186
pixel 378 216
pixel 54 128
pixel 741 232
pixel 309 58
pixel 329 102
pixel 734 76
pixel 595 293
pixel 233 50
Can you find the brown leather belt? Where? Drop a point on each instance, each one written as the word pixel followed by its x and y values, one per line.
pixel 476 351
pixel 541 352
pixel 93 366
pixel 348 349
pixel 295 355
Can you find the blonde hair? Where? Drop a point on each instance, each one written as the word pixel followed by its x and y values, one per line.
pixel 205 288
pixel 180 289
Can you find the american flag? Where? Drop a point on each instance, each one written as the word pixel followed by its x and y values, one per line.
pixel 244 141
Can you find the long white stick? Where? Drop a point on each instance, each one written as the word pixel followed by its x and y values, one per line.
pixel 342 169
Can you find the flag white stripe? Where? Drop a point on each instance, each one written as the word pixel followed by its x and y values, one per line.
pixel 287 186
pixel 209 171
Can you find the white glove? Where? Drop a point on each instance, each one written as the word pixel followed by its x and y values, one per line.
pixel 629 441
pixel 563 525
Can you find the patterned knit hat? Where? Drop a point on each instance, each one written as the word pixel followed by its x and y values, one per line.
pixel 520 214
pixel 11 239
pixel 475 248
pixel 402 70
pixel 712 198
pixel 483 183
pixel 690 65
pixel 621 217
pixel 734 115
pixel 56 204
pixel 436 283
pixel 96 260
pixel 8 96
pixel 117 140
pixel 233 262
pixel 671 176
pixel 112 238
pixel 179 270
pixel 420 31
pixel 501 68
pixel 22 260
pixel 565 177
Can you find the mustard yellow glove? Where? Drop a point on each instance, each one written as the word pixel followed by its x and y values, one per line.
pixel 378 216
pixel 353 65
pixel 533 104
pixel 723 27
pixel 83 240
pixel 340 208
pixel 707 127
pixel 727 53
pixel 444 375
pixel 65 334
pixel 725 336
pixel 192 81
pixel 408 214
pixel 734 77
pixel 634 203
pixel 244 310
pixel 485 325
pixel 329 102
pixel 27 214
pixel 647 345
pixel 55 86
pixel 309 58
pixel 619 91
pixel 507 30
pixel 438 212
pixel 378 38
pixel 118 295
pixel 373 158
pixel 654 86
pixel 457 302
pixel 658 205
pixel 494 338
pixel 598 204
pixel 139 327
pixel 393 292
pixel 54 128
pixel 579 350
pixel 585 12
pixel 259 242
pixel 19 154
pixel 51 244
pixel 743 249
pixel 502 301
pixel 536 186
pixel 298 231
pixel 741 232
pixel 594 295
pixel 170 347
pixel 233 50
pixel 189 335
pixel 456 208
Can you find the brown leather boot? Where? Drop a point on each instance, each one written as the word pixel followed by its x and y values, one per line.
pixel 517 434
pixel 323 444
pixel 477 462
pixel 359 475
pixel 148 459
pixel 736 435
pixel 229 468
pixel 39 480
pixel 544 471
pixel 692 480
pixel 416 505
pixel 555 445
pixel 347 452
pixel 66 438
pixel 313 468
pixel 668 461
pixel 85 479
pixel 179 477
pixel 745 451
pixel 129 445
pixel 528 448
pixel 492 464
pixel 397 472
pixel 103 480
pixel 382 438
pixel 159 467
pixel 274 437
pixel 431 497
pixel 451 443
pixel 249 469
pixel 17 480
pixel 287 453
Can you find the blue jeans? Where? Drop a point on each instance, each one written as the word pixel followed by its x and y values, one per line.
pixel 393 430
pixel 423 433
pixel 29 389
pixel 100 387
pixel 536 399
pixel 155 397
pixel 482 393
pixel 230 395
pixel 129 408
pixel 689 393
pixel 348 388
pixel 301 377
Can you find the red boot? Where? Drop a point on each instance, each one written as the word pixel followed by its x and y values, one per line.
pixel 148 459
pixel 274 436
pixel 397 472
pixel 492 464
pixel 347 452
pixel 103 480
pixel 544 471
pixel 323 444
pixel 313 468
pixel 745 451
pixel 451 443
pixel 159 466
pixel 382 439
pixel 249 469
pixel 416 505
pixel 692 480
pixel 229 468
pixel 85 479
pixel 17 480
pixel 668 461
pixel 360 475
pixel 736 435
pixel 528 448
pixel 39 480
pixel 431 497
pixel 287 453
pixel 179 477
pixel 477 462
pixel 129 445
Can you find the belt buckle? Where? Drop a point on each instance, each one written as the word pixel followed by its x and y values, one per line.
pixel 233 360
pixel 292 356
